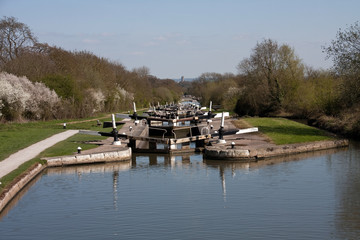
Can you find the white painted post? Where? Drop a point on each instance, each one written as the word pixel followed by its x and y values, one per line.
pixel 113 121
pixel 115 132
pixel 222 120
pixel 134 107
pixel 210 106
pixel 221 130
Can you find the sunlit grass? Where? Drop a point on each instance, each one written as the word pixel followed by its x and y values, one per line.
pixel 69 146
pixel 284 131
pixel 16 136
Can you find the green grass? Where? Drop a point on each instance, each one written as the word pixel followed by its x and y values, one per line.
pixel 89 125
pixel 16 136
pixel 70 145
pixel 284 131
pixel 66 147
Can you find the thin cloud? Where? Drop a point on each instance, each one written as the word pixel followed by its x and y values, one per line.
pixel 243 37
pixel 160 38
pixel 183 42
pixel 137 53
pixel 90 41
pixel 170 38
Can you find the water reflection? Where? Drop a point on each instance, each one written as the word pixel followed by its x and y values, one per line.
pixel 115 183
pixel 304 196
pixel 92 168
pixel 162 160
pixel 347 184
pixel 246 167
pixel 180 161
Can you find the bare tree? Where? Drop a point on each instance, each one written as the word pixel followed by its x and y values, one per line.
pixel 14 37
pixel 345 52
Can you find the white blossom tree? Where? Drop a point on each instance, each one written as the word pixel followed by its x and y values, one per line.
pixel 19 98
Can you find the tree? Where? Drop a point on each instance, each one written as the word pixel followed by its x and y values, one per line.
pixel 20 97
pixel 345 52
pixel 272 74
pixel 14 38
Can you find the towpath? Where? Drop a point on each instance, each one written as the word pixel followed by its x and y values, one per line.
pixel 15 160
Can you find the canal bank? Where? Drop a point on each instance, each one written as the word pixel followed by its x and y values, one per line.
pixel 256 146
pixel 244 154
pixel 106 152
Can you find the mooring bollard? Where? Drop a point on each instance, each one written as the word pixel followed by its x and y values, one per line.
pixel 79 150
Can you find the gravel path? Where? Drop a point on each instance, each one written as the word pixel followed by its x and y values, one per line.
pixel 15 160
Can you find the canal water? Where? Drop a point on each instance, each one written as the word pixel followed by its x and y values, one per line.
pixel 307 196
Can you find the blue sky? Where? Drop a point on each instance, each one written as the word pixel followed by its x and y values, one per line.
pixel 176 38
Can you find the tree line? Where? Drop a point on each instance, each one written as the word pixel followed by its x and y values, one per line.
pixel 273 81
pixel 81 84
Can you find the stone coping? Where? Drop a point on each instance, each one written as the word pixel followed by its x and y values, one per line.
pixel 228 153
pixel 97 157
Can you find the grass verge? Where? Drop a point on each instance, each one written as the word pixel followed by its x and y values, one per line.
pixel 70 145
pixel 9 178
pixel 16 136
pixel 283 131
pixel 66 147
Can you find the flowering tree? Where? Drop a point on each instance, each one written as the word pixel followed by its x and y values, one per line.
pixel 19 98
